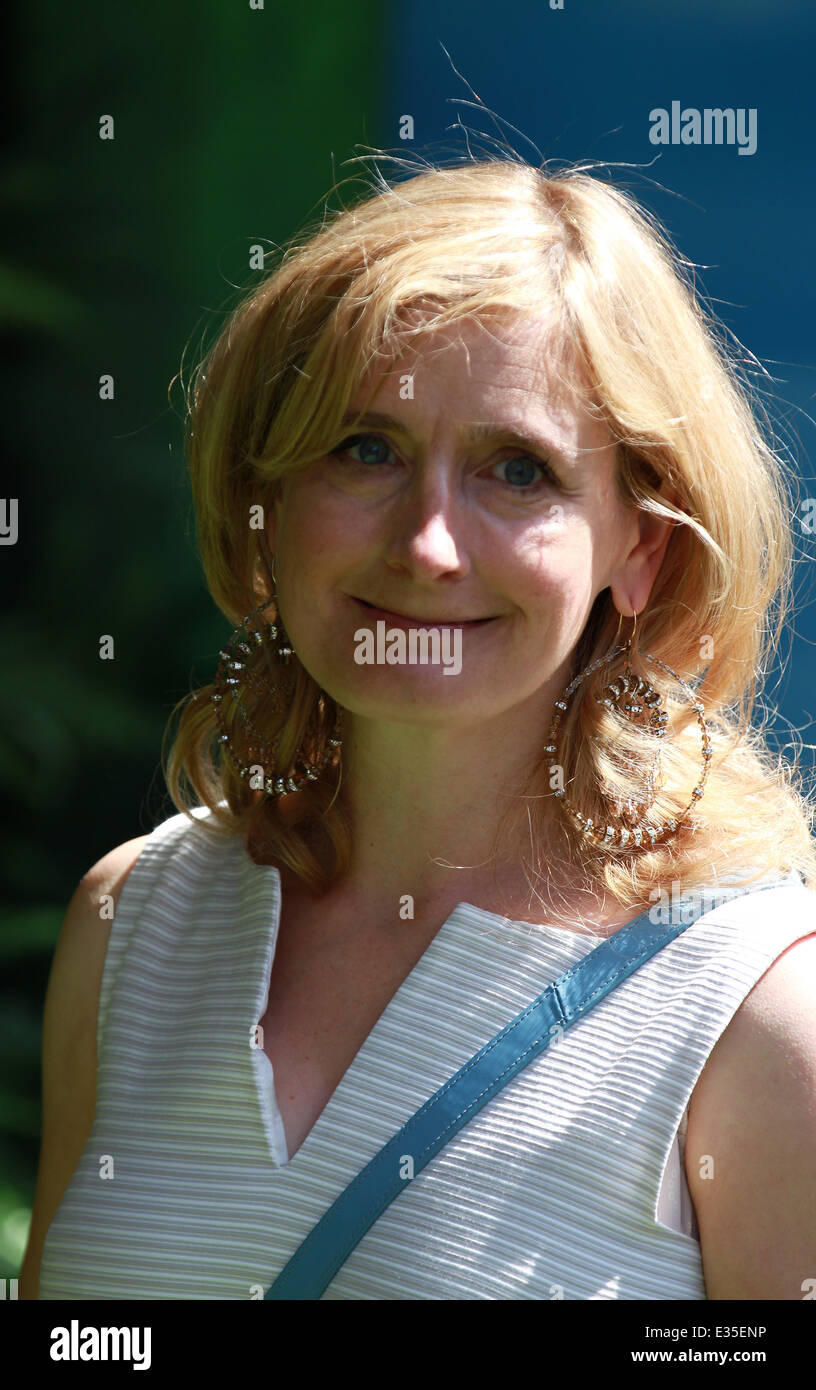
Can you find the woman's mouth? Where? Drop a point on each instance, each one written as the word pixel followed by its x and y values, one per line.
pixel 405 621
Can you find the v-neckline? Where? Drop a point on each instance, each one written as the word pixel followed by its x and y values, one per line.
pixel 265 1077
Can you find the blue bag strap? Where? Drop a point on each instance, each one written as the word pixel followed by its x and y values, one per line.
pixel 331 1241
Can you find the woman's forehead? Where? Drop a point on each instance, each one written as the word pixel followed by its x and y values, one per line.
pixel 530 351
pixel 525 380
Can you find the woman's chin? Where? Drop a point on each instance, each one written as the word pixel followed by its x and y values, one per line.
pixel 420 694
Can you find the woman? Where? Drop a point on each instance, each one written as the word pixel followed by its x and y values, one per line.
pixel 485 406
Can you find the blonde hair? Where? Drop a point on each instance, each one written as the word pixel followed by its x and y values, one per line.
pixel 466 242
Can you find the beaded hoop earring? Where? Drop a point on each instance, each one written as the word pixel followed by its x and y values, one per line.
pixel 631 696
pixel 233 679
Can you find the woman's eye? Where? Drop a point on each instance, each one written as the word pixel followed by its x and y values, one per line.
pixel 374 448
pixel 521 472
pixel 520 477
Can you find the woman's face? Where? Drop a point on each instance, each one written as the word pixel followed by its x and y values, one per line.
pixel 509 535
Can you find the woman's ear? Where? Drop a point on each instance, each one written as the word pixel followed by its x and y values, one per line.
pixel 632 584
pixel 264 567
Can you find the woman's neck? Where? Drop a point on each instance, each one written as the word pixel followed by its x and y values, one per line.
pixel 440 817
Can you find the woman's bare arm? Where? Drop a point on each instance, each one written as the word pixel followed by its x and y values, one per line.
pixel 69 1044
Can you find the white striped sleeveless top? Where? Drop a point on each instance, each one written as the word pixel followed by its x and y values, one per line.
pixel 568 1184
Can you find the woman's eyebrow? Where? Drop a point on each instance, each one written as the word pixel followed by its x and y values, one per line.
pixel 475 433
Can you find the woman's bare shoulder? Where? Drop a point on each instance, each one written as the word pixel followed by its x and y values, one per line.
pixel 751 1141
pixel 82 942
pixel 108 874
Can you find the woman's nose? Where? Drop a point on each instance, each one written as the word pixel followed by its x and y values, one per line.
pixel 426 537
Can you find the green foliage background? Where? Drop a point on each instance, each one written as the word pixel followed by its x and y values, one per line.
pixel 231 125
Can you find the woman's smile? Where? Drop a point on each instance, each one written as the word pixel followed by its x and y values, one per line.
pixel 405 620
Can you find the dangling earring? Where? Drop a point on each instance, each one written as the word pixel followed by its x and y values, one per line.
pixel 631 696
pixel 232 681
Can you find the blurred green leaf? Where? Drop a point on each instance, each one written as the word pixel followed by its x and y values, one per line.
pixel 28 931
pixel 15 1223
pixel 19 1115
pixel 29 301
